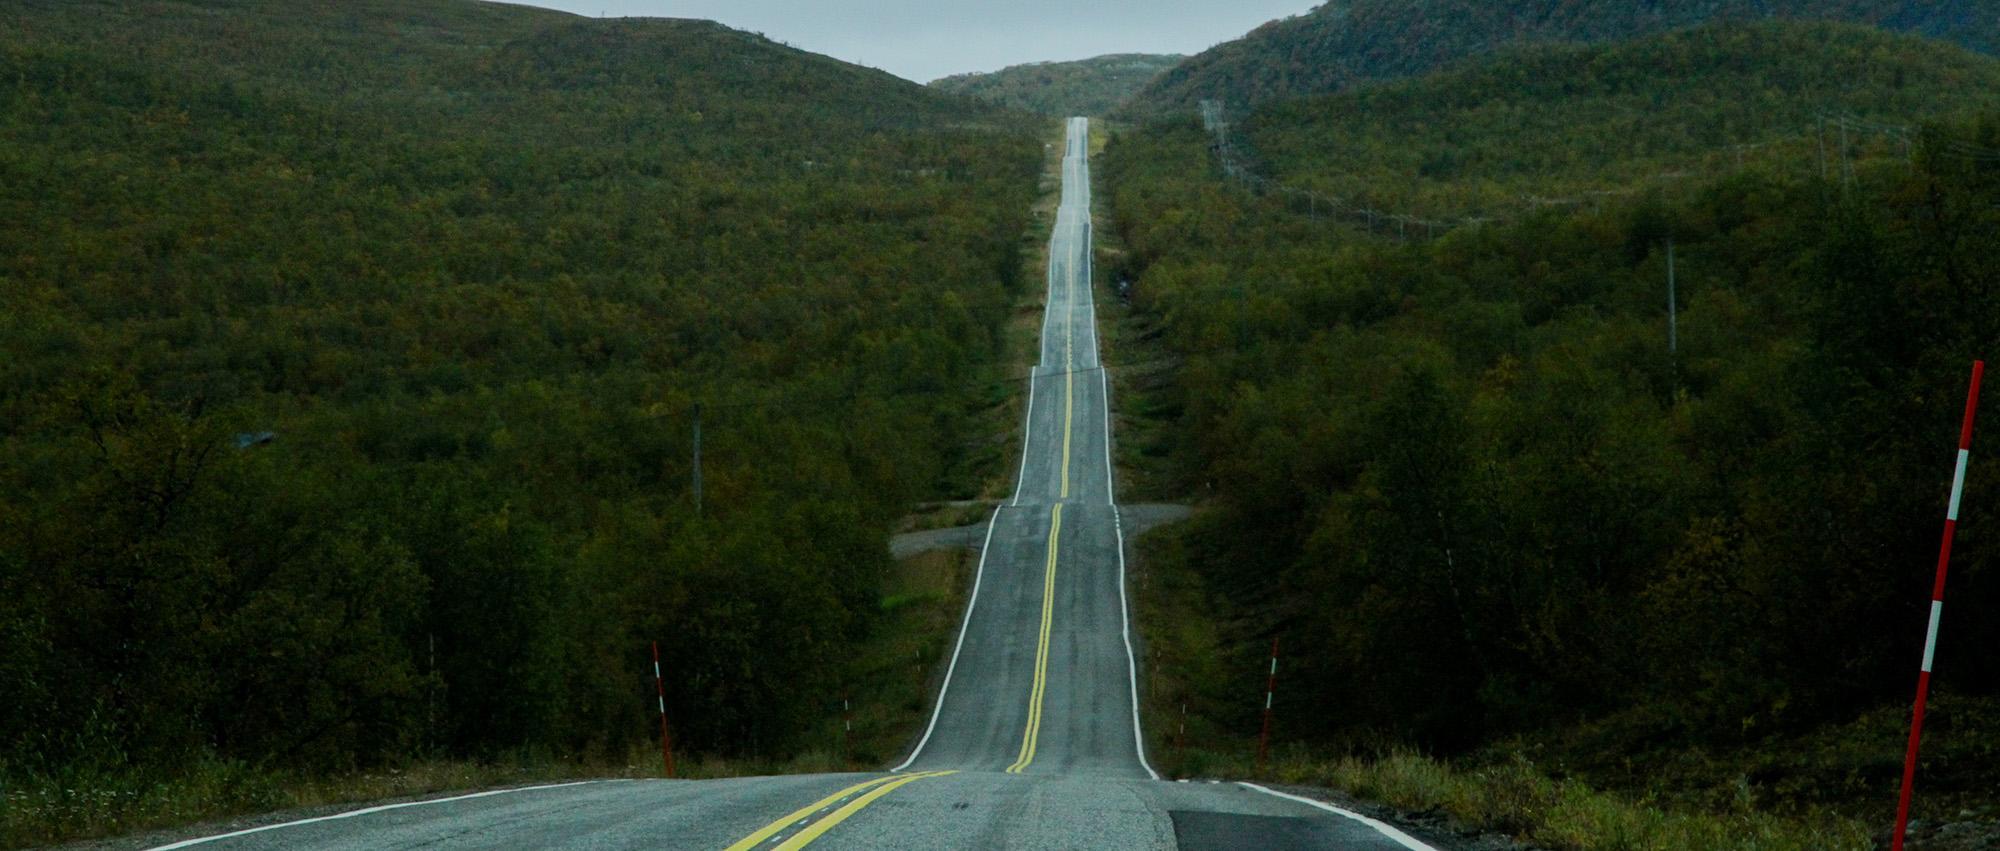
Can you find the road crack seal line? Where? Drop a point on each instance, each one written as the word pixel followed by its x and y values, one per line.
pixel 378 809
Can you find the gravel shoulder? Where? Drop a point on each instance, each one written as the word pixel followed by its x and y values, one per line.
pixel 1434 827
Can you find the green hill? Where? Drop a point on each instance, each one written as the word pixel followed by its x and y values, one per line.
pixel 472 266
pixel 1344 42
pixel 1084 87
pixel 1498 507
pixel 1565 120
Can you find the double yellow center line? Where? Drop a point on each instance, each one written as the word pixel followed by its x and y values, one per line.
pixel 864 793
pixel 1031 736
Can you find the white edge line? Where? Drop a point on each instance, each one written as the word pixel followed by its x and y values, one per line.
pixel 1027 435
pixel 1118 525
pixel 1131 660
pixel 383 808
pixel 1381 827
pixel 970 603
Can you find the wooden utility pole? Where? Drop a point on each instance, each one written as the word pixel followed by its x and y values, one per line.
pixel 1673 304
pixel 1821 136
pixel 1846 164
pixel 697 459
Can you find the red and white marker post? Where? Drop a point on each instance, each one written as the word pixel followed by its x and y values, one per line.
pixel 660 690
pixel 1937 606
pixel 1270 688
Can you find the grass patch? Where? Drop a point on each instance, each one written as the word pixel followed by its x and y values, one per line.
pixel 1854 768
pixel 1517 798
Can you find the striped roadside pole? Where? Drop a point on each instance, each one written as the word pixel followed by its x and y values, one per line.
pixel 1270 688
pixel 660 691
pixel 1937 606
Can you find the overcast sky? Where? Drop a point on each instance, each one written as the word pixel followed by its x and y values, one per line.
pixel 926 39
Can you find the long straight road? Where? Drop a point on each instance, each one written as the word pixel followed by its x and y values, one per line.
pixel 1042 680
pixel 1035 740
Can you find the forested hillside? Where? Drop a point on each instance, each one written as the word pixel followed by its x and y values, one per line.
pixel 350 357
pixel 1083 87
pixel 1344 42
pixel 1476 493
pixel 1573 122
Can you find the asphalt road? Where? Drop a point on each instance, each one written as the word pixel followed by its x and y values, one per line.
pixel 1041 682
pixel 1035 740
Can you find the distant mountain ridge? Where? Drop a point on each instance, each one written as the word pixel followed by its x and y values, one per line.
pixel 1084 87
pixel 1344 42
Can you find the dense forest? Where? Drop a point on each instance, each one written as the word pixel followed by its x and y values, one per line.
pixel 1341 43
pixel 1478 488
pixel 351 355
pixel 1093 86
pixel 1483 141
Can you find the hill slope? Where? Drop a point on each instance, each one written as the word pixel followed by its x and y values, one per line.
pixel 1084 87
pixel 1558 120
pixel 1475 485
pixel 473 265
pixel 1344 42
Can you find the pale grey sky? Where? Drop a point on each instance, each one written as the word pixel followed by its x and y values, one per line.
pixel 926 39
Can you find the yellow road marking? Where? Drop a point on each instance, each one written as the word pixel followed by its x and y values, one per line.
pixel 1069 398
pixel 806 811
pixel 1069 368
pixel 1033 734
pixel 1031 737
pixel 805 837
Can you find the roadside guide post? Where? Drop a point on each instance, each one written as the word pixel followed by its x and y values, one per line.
pixel 1937 607
pixel 1270 687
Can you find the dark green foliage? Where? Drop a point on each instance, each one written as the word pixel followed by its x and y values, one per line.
pixel 1344 42
pixel 1471 488
pixel 473 264
pixel 1084 87
pixel 1476 139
